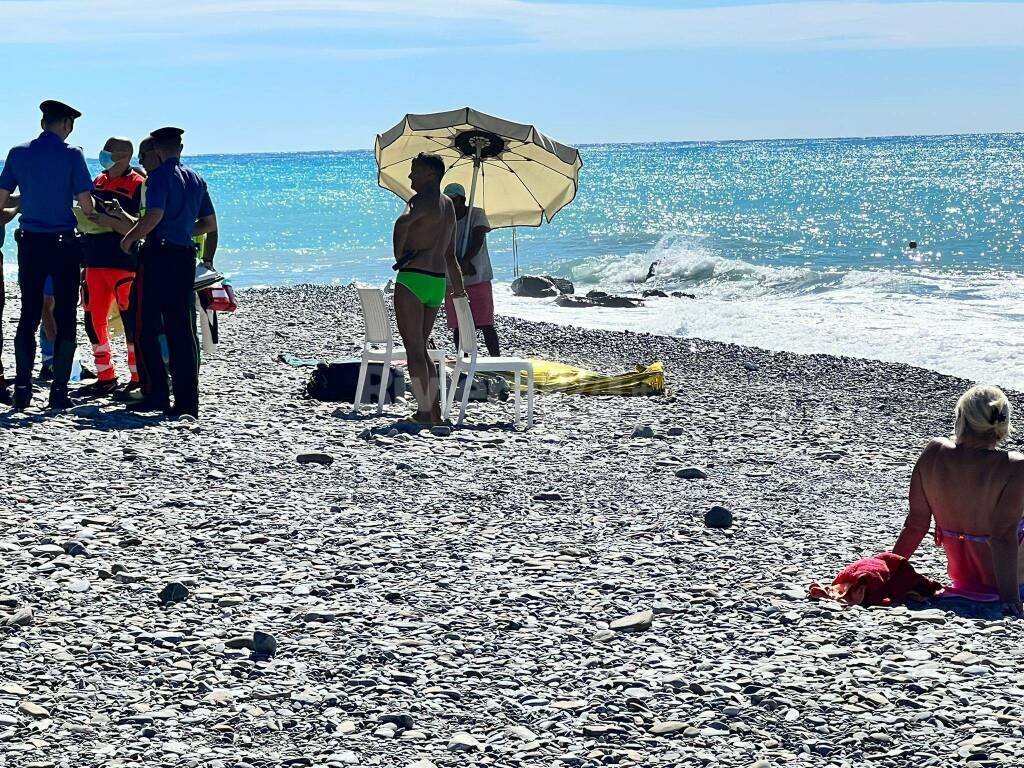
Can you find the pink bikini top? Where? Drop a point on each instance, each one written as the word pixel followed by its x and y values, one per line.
pixel 941 534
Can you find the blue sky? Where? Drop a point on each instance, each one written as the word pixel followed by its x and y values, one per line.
pixel 289 75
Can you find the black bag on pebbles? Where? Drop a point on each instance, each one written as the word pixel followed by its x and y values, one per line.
pixel 336 382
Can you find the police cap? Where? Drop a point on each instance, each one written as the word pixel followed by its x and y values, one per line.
pixel 167 134
pixel 59 109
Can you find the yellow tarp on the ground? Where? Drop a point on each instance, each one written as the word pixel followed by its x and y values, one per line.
pixel 549 376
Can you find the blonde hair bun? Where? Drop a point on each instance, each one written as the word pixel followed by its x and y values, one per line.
pixel 983 412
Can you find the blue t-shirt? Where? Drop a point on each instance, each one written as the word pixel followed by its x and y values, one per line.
pixel 182 195
pixel 49 174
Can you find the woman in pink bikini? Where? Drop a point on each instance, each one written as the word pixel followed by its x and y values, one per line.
pixel 975 492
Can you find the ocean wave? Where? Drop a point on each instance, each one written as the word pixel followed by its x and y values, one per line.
pixel 684 263
pixel 966 323
pixel 679 262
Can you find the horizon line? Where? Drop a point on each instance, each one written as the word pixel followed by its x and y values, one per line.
pixel 649 142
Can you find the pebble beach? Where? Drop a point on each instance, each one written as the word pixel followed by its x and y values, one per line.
pixel 282 584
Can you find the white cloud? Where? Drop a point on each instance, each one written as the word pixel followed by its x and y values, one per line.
pixel 390 25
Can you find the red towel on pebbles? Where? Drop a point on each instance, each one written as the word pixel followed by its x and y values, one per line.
pixel 884 579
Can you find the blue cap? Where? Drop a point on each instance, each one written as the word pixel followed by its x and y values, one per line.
pixel 455 189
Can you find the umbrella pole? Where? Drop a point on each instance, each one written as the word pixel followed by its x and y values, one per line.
pixel 472 198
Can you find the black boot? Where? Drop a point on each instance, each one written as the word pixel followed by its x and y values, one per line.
pixel 59 399
pixel 97 389
pixel 147 404
pixel 22 397
pixel 184 410
pixel 129 393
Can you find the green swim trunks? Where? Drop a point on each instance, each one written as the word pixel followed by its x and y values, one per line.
pixel 428 287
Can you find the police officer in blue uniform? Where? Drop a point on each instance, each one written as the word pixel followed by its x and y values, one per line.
pixel 178 206
pixel 50 175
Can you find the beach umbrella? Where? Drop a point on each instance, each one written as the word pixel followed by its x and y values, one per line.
pixel 515 173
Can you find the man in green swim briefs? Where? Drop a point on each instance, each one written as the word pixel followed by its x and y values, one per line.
pixel 424 241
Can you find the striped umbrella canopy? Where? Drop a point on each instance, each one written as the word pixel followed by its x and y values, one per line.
pixel 515 173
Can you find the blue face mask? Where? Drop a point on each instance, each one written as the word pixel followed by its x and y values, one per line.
pixel 106 160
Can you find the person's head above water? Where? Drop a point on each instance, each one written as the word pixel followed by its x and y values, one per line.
pixel 982 417
pixel 116 155
pixel 427 172
pixel 58 118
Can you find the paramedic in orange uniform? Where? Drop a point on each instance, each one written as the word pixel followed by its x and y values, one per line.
pixel 109 271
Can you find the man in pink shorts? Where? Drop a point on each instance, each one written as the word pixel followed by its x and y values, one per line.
pixel 476 269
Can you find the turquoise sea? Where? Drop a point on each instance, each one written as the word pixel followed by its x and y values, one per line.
pixel 795 244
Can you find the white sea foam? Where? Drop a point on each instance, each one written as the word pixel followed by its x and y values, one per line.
pixel 966 324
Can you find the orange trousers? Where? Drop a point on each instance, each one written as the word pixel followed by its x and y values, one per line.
pixel 103 286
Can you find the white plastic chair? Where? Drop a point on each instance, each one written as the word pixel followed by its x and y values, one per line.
pixel 467 361
pixel 377 334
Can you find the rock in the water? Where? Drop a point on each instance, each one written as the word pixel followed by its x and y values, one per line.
pixel 264 644
pixel 598 299
pixel 718 517
pixel 578 302
pixel 635 622
pixel 691 473
pixel 564 286
pixel 642 431
pixel 174 592
pixel 534 286
pixel 314 457
pixel 602 299
pixel 655 293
